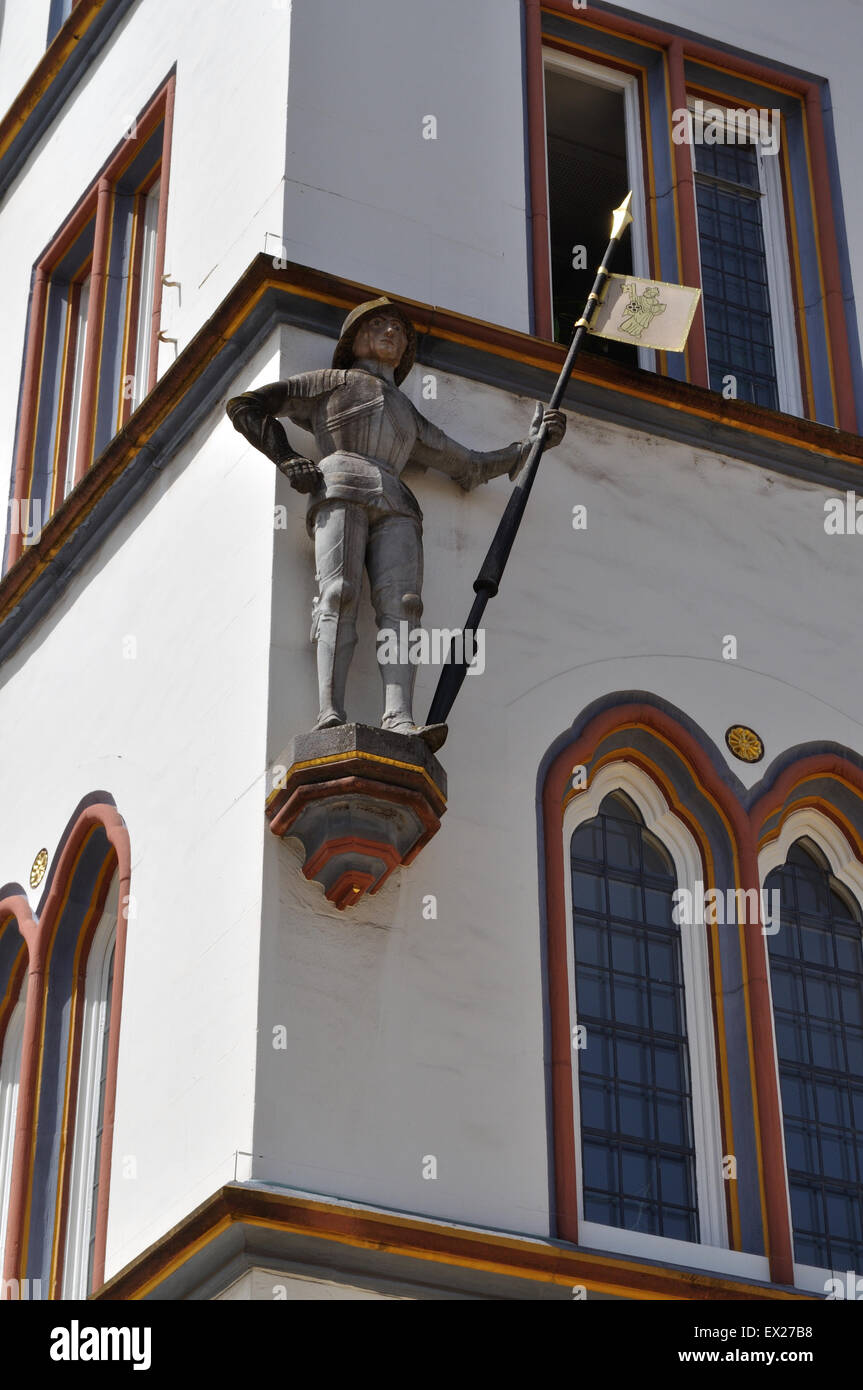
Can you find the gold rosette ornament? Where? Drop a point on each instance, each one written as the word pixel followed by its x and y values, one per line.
pixel 745 743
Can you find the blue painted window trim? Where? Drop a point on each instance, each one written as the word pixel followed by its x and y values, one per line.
pixel 744 92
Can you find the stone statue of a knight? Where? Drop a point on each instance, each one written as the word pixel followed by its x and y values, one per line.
pixel 360 512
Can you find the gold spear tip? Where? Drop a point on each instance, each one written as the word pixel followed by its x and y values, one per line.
pixel 622 218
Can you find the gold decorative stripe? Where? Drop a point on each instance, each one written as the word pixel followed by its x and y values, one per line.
pixel 807 436
pixel 603 1271
pixel 47 70
pixel 352 757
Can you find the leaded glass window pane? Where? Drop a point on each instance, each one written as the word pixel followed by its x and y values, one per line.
pixel 734 272
pixel 638 1152
pixel 100 1113
pixel 816 975
pixel 587 177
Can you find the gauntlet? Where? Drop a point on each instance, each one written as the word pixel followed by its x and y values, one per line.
pixel 248 415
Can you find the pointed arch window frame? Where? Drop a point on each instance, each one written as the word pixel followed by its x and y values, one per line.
pixel 97 811
pixel 11 1052
pixel 713 1248
pixel 812 824
pixel 88 1117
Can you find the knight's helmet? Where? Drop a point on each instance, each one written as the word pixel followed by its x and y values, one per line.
pixel 344 353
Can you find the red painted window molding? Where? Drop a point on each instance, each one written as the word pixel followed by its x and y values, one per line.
pixel 39 937
pixel 799 786
pixel 677 50
pixel 581 751
pixel 61 427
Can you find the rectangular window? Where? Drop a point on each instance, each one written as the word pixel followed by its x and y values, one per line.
pixel 76 313
pixel 611 104
pixel 142 287
pixel 751 341
pixel 91 353
pixel 593 144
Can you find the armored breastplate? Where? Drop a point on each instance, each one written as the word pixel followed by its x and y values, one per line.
pixel 368 417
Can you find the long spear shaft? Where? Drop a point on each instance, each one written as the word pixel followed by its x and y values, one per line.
pixel 488 580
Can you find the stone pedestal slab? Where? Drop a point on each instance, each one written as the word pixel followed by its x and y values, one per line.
pixel 361 801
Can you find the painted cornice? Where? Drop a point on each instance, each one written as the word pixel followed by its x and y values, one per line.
pixel 51 82
pixel 384 1235
pixel 265 298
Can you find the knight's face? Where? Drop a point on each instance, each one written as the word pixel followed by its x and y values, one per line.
pixel 381 338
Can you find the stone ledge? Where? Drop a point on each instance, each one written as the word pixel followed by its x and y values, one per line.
pixel 362 801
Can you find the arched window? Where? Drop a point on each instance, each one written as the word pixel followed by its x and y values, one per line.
pixel 57 1226
pixel 10 1074
pixel 83 1196
pixel 635 1077
pixel 639 1164
pixel 816 976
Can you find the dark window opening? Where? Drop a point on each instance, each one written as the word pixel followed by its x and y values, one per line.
pixel 587 180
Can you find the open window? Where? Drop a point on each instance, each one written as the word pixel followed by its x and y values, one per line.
pixel 593 143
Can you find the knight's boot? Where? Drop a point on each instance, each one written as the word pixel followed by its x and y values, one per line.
pixel 336 640
pixel 399 680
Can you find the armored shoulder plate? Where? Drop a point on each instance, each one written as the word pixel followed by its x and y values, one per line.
pixel 310 384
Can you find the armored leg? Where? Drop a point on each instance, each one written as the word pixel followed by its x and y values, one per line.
pixel 341 529
pixel 395 563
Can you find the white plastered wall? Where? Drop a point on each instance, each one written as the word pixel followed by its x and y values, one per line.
pixel 410 1037
pixel 23 34
pixel 441 220
pixel 149 681
pixel 340 174
pixel 225 203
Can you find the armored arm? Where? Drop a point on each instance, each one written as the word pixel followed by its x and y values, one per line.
pixel 254 415
pixel 469 467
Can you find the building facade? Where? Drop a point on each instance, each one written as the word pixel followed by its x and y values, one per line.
pixel 603 1036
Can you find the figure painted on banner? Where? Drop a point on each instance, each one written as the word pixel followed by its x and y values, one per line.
pixel 641 310
pixel 360 512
